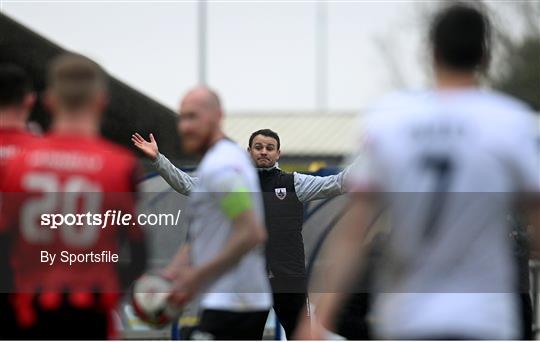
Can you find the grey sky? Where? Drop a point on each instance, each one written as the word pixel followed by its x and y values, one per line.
pixel 261 55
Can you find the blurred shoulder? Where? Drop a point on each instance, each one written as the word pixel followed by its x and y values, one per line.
pixel 393 109
pixel 503 101
pixel 115 151
pixel 224 155
pixel 507 112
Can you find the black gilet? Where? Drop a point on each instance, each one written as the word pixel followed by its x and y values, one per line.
pixel 284 215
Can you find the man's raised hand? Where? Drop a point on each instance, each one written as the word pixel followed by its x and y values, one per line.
pixel 149 148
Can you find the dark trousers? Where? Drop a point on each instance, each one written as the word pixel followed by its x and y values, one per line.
pixel 352 322
pixel 288 307
pixel 8 324
pixel 526 316
pixel 229 325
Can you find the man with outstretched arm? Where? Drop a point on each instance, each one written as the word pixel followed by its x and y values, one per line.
pixel 284 195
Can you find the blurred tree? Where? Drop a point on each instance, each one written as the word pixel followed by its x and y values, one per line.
pixel 522 79
pixel 516 71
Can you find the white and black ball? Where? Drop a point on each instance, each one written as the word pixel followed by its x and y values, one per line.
pixel 149 298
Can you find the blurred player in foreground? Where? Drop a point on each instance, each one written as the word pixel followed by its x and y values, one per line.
pixel 450 163
pixel 70 171
pixel 16 102
pixel 223 260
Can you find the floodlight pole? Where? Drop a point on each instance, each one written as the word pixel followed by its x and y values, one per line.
pixel 321 56
pixel 202 41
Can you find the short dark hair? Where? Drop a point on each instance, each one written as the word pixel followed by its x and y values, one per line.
pixel 267 133
pixel 15 84
pixel 460 37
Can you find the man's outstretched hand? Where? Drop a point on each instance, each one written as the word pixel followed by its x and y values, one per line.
pixel 149 148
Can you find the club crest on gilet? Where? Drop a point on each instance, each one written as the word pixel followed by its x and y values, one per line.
pixel 281 193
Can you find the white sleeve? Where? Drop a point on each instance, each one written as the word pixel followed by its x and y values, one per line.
pixel 309 188
pixel 176 178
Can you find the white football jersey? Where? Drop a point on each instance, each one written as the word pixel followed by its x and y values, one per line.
pixel 450 165
pixel 226 168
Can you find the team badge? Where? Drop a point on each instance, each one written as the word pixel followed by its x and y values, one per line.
pixel 281 193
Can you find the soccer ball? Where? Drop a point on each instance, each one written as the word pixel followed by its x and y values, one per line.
pixel 150 300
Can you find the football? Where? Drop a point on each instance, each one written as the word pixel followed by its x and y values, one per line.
pixel 149 300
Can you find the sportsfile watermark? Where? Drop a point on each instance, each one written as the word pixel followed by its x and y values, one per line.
pixel 109 218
